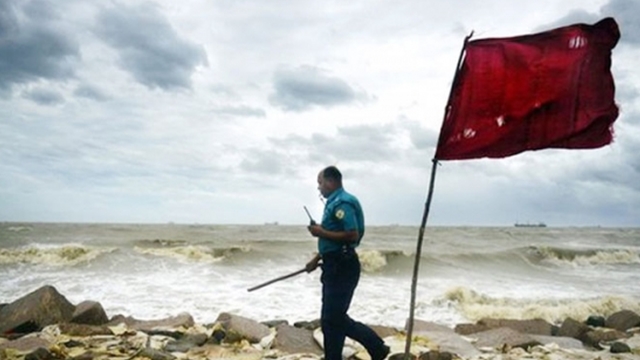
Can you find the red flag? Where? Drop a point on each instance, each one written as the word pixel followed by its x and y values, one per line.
pixel 548 90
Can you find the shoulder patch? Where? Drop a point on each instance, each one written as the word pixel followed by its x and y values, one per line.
pixel 340 214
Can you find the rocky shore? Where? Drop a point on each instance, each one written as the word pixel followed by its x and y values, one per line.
pixel 44 325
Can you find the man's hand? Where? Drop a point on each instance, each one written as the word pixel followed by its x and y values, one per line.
pixel 315 230
pixel 313 264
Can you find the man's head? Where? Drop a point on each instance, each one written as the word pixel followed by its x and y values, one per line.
pixel 329 180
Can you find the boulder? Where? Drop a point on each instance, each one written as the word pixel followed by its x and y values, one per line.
pixel 595 337
pixel 89 313
pixel 32 312
pixel 238 327
pixel 500 337
pixel 309 325
pixel 293 340
pixel 83 330
pixel 468 329
pixel 25 344
pixel 41 354
pixel 444 338
pixel 562 341
pixel 384 331
pixel 619 348
pixel 534 326
pixel 186 343
pixel 154 354
pixel 182 320
pixel 596 321
pixel 623 320
pixel 573 328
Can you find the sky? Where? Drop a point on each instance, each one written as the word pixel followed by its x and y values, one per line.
pixel 224 112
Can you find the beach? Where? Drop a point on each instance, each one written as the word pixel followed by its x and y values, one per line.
pixel 154 271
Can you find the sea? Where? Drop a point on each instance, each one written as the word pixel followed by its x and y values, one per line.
pixel 155 271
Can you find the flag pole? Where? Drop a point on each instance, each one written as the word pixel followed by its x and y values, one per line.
pixel 425 215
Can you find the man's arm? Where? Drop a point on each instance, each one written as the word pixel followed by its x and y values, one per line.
pixel 346 236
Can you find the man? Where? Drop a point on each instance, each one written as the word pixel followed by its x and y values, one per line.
pixel 339 234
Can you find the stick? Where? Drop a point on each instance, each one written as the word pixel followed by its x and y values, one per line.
pixel 277 279
pixel 425 215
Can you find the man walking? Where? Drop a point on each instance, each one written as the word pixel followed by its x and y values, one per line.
pixel 338 235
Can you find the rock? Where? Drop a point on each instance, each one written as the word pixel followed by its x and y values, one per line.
pixel 292 340
pixel 154 354
pixel 309 325
pixel 84 330
pixel 573 328
pixel 444 338
pixel 619 347
pixel 534 326
pixel 89 313
pixel 238 327
pixel 562 341
pixel 504 336
pixel 25 344
pixel 45 306
pixel 186 343
pixel 182 320
pixel 596 321
pixel 435 355
pixel 274 323
pixel 623 320
pixel 595 337
pixel 40 354
pixel 384 331
pixel 468 329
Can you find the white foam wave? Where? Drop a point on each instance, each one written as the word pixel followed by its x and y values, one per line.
pixel 475 306
pixel 600 257
pixel 372 260
pixel 63 255
pixel 191 253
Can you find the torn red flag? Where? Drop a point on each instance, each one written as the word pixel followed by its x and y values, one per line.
pixel 548 90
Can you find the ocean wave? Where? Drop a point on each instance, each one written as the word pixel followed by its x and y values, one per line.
pixel 572 257
pixel 475 306
pixel 377 260
pixel 190 253
pixel 63 255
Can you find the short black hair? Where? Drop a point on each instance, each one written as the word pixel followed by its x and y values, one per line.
pixel 332 173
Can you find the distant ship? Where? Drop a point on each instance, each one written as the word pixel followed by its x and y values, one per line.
pixel 540 224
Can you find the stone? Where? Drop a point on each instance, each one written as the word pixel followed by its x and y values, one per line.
pixel 89 313
pixel 444 338
pixel 596 321
pixel 595 337
pixel 25 344
pixel 154 354
pixel 533 326
pixel 563 342
pixel 182 320
pixel 238 327
pixel 274 323
pixel 84 330
pixel 573 328
pixel 309 325
pixel 292 340
pixel 421 325
pixel 468 329
pixel 619 348
pixel 623 320
pixel 42 307
pixel 501 337
pixel 186 343
pixel 384 331
pixel 40 354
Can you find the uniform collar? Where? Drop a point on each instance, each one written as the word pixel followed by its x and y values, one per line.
pixel 335 194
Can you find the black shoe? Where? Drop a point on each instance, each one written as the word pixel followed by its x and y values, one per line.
pixel 382 354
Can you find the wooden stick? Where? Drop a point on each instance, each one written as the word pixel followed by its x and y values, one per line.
pixel 277 279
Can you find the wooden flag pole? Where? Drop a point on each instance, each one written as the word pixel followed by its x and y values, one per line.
pixel 425 215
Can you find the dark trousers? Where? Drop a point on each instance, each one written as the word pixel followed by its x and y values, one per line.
pixel 340 275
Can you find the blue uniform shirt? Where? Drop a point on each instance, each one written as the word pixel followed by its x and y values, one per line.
pixel 342 212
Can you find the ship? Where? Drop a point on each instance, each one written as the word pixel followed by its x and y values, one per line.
pixel 537 225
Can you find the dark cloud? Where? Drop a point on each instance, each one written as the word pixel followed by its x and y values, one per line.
pixel 32 44
pixel 242 111
pixel 44 96
pixel 90 92
pixel 149 47
pixel 305 87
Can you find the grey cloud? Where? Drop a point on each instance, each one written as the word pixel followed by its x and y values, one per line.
pixel 302 88
pixel 244 111
pixel 573 17
pixel 149 47
pixel 44 96
pixel 90 92
pixel 626 14
pixel 32 45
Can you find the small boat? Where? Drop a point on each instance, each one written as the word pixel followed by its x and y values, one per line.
pixel 538 225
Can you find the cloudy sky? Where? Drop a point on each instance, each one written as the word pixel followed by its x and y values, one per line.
pixel 224 111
